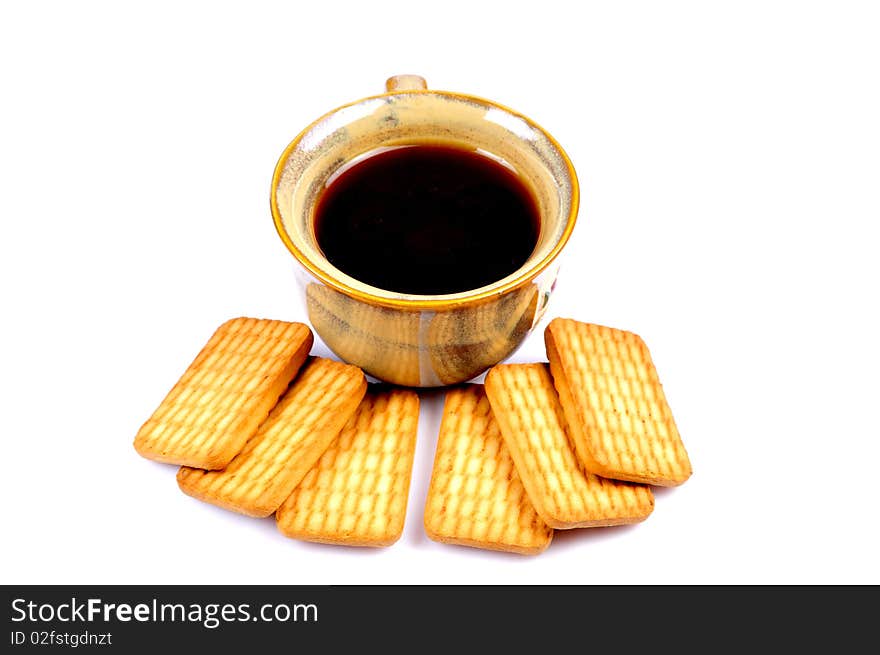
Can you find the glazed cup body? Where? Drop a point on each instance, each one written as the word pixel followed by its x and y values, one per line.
pixel 423 340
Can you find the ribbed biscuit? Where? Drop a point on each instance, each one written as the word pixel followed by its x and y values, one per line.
pixel 532 423
pixel 226 392
pixel 356 494
pixel 620 421
pixel 288 443
pixel 475 497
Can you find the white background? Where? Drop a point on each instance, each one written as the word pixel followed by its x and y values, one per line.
pixel 729 155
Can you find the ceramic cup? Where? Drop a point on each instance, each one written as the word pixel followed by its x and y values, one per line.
pixel 423 340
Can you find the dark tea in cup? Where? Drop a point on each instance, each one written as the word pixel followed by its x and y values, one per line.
pixel 427 219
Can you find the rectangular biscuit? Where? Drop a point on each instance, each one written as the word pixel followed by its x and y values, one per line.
pixel 475 497
pixel 532 423
pixel 225 393
pixel 620 421
pixel 287 444
pixel 356 495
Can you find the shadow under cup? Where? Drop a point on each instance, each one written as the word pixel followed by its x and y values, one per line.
pixel 423 340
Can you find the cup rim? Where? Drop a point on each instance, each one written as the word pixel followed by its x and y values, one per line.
pixel 419 302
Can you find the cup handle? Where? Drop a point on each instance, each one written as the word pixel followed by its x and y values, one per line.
pixel 405 83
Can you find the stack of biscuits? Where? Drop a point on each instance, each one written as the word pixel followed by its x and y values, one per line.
pixel 260 427
pixel 576 443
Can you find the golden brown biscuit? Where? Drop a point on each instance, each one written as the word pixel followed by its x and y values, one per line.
pixel 532 423
pixel 356 494
pixel 288 443
pixel 476 497
pixel 225 394
pixel 620 422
